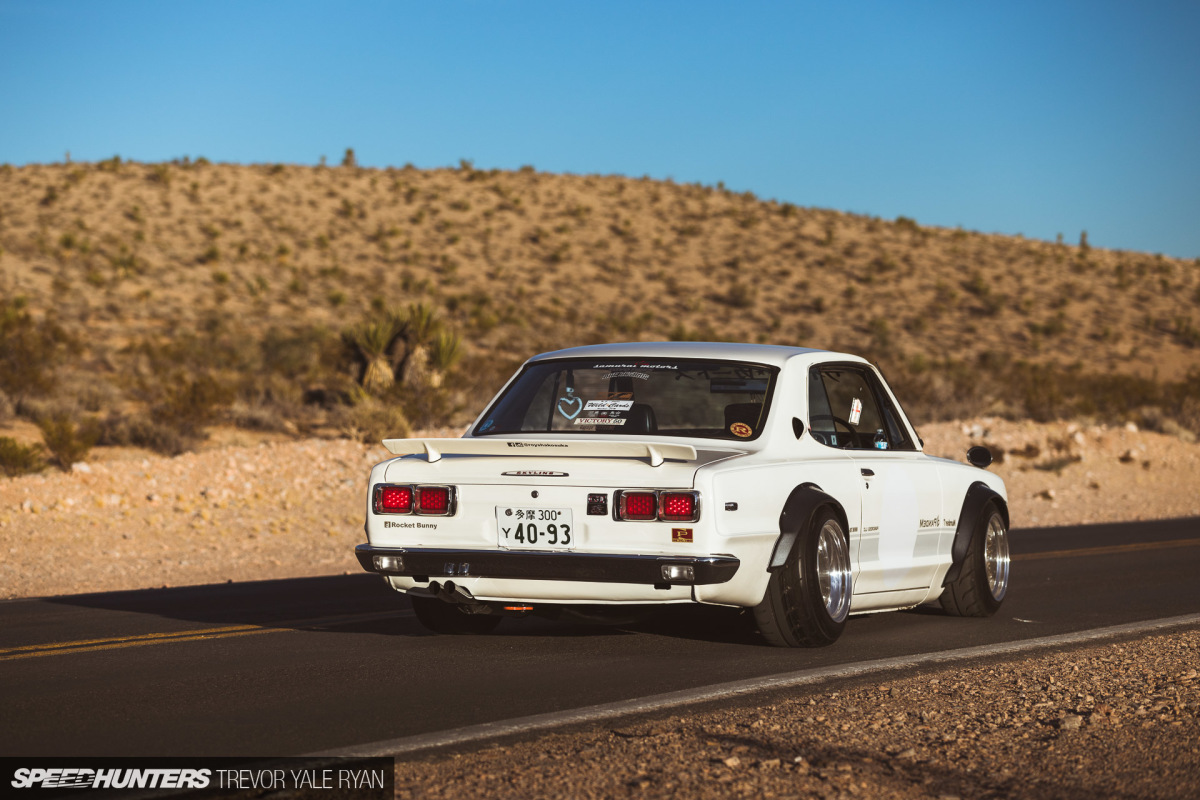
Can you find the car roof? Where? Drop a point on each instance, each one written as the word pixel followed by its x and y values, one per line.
pixel 770 354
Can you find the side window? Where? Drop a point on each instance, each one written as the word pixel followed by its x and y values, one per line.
pixel 820 418
pixel 898 438
pixel 849 415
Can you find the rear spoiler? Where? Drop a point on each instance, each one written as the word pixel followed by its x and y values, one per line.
pixel 434 449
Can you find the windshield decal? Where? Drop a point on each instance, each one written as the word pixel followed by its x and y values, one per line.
pixel 608 405
pixel 600 421
pixel 636 365
pixel 855 411
pixel 641 376
pixel 570 405
pixel 741 429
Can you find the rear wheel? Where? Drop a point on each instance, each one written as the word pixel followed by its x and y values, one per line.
pixel 452 618
pixel 808 599
pixel 982 583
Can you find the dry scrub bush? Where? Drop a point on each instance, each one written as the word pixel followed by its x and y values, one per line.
pixel 371 420
pixel 29 350
pixel 67 442
pixel 18 459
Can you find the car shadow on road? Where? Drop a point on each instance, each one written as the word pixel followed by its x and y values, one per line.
pixel 287 603
pixel 361 604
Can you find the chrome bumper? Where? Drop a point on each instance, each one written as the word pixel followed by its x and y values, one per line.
pixel 424 564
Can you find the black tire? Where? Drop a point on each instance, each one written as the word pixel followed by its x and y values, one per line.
pixel 795 612
pixel 982 583
pixel 441 617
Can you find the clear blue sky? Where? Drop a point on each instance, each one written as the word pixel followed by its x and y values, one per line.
pixel 1034 118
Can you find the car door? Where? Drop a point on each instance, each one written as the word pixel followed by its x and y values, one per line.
pixel 901 497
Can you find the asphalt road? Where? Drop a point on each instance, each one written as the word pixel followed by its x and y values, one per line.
pixel 299 666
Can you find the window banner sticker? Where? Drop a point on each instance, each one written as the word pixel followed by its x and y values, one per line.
pixel 570 405
pixel 641 376
pixel 608 405
pixel 855 411
pixel 600 421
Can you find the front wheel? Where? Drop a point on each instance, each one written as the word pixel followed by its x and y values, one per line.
pixel 808 599
pixel 442 617
pixel 982 583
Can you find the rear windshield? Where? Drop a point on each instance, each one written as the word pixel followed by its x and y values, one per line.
pixel 667 397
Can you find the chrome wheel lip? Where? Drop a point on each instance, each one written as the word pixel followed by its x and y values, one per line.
pixel 996 557
pixel 833 570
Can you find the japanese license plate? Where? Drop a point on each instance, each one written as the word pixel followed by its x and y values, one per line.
pixel 525 528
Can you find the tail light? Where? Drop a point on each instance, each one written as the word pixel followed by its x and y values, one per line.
pixel 393 499
pixel 639 505
pixel 678 506
pixel 661 504
pixel 436 501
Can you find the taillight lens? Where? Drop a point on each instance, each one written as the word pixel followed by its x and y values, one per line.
pixel 393 499
pixel 677 506
pixel 434 500
pixel 639 505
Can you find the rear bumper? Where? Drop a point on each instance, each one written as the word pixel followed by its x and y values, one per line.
pixel 423 564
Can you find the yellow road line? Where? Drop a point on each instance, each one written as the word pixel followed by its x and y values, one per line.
pixel 226 632
pixel 146 636
pixel 1111 550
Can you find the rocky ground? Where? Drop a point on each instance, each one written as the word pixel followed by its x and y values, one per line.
pixel 1110 720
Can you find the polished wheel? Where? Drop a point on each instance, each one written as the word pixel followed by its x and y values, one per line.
pixel 808 599
pixel 833 570
pixel 983 573
pixel 995 557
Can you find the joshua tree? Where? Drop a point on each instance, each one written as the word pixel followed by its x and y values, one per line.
pixel 374 340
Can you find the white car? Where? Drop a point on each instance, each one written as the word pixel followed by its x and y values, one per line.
pixel 607 478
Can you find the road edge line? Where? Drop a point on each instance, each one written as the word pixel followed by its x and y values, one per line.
pixel 556 719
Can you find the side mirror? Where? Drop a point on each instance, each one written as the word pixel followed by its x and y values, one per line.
pixel 797 427
pixel 979 456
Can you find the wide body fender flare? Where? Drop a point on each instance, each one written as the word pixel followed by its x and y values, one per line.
pixel 977 495
pixel 797 514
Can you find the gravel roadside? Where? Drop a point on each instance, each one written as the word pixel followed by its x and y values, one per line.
pixel 1113 720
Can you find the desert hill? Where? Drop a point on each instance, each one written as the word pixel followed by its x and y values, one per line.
pixel 260 295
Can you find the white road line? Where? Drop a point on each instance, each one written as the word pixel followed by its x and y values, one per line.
pixel 542 722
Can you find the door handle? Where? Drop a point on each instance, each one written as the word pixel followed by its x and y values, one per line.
pixel 867 473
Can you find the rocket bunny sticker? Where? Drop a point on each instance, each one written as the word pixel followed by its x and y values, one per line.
pixel 570 405
pixel 855 411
